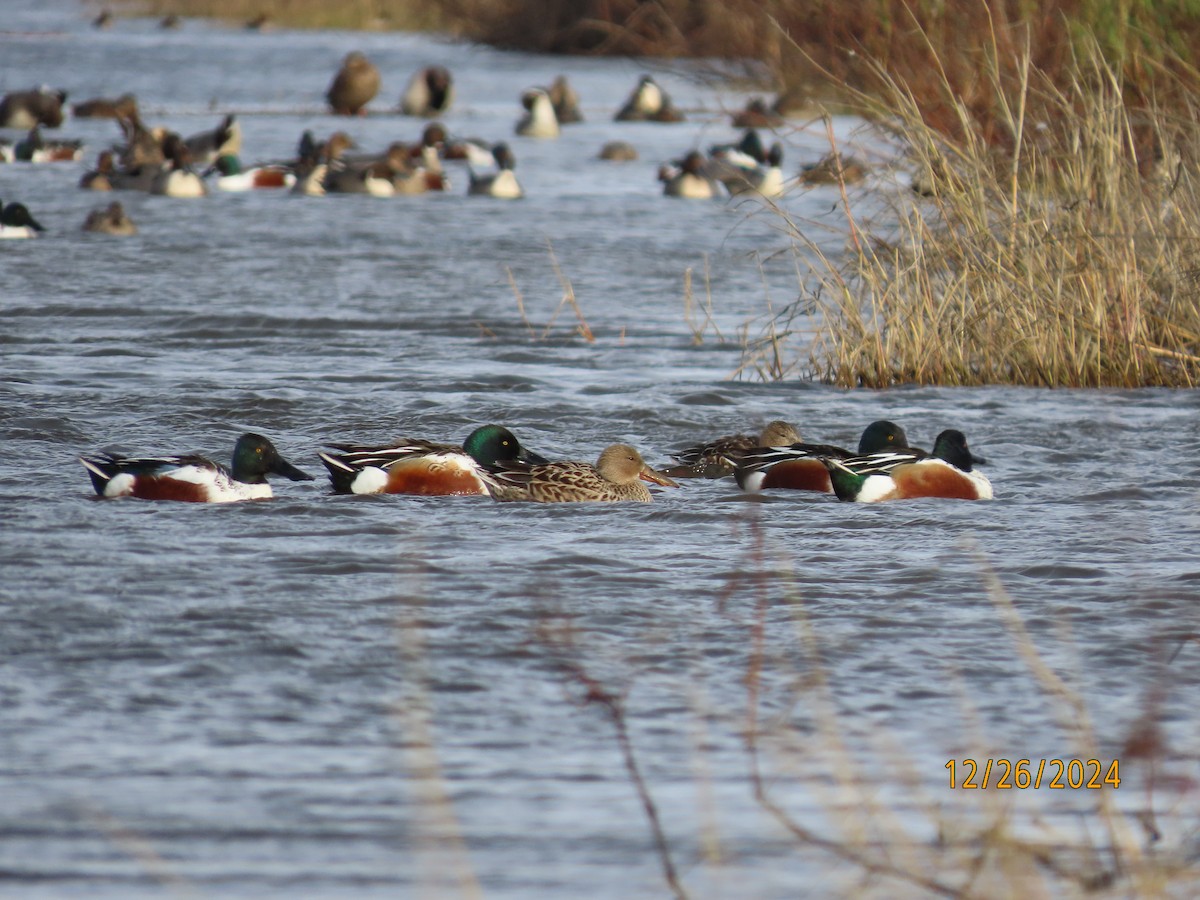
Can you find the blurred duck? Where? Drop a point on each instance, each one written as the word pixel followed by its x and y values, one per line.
pixel 648 103
pixel 316 161
pixel 110 220
pixel 428 156
pixel 100 178
pixel 224 140
pixel 106 108
pixel 539 120
pixel 192 477
pixel 617 476
pixel 756 114
pixel 232 177
pixel 177 178
pixel 742 174
pixel 565 101
pixel 354 86
pixel 103 20
pixel 689 179
pixel 833 169
pixel 491 175
pixel 28 109
pixel 429 93
pixel 36 149
pixel 8 152
pixel 16 222
pixel 618 151
pixel 377 177
pixel 260 23
pixel 718 458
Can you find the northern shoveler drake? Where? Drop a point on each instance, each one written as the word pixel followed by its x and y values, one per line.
pixel 565 101
pixel 648 103
pixel 17 222
pixel 177 178
pixel 720 457
pixel 801 466
pixel 689 179
pixel 232 177
pixel 425 467
pixel 206 146
pixel 496 180
pixel 36 149
pixel 28 109
pixel 539 120
pixel 429 93
pixel 354 86
pixel 948 472
pixel 111 220
pixel 192 477
pixel 616 476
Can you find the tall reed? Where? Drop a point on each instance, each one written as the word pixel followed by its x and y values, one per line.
pixel 1067 253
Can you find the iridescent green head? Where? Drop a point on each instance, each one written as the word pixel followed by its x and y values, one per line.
pixel 881 435
pixel 254 456
pixel 492 444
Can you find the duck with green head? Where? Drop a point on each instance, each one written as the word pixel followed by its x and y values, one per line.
pixel 947 472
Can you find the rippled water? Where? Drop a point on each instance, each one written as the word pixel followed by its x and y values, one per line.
pixel 382 696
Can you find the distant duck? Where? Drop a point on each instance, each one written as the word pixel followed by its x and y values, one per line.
pixel 833 169
pixel 143 146
pixel 565 101
pixel 539 120
pixel 618 151
pixel 110 220
pixel 354 86
pixel 232 177
pixel 260 23
pixel 224 140
pixel 756 114
pixel 177 178
pixel 36 149
pixel 494 177
pixel 28 109
pixel 192 477
pixel 428 156
pixel 170 22
pixel 648 103
pixel 376 177
pixel 429 93
pixel 741 174
pixel 106 108
pixel 318 160
pixel 16 222
pixel 103 20
pixel 100 178
pixel 689 179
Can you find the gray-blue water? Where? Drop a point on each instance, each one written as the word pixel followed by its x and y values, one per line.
pixel 329 696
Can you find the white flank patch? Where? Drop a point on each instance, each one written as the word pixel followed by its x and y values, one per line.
pixel 875 488
pixel 371 480
pixel 752 481
pixel 506 186
pixel 8 232
pixel 119 486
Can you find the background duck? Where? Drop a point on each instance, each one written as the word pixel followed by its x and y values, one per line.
pixel 28 109
pixel 36 149
pixel 177 178
pixel 192 477
pixel 617 476
pixel 498 178
pixel 17 222
pixel 689 179
pixel 648 103
pixel 429 93
pixel 231 176
pixel 539 120
pixel 565 101
pixel 110 220
pixel 106 108
pixel 354 86
pixel 802 466
pixel 718 458
pixel 206 146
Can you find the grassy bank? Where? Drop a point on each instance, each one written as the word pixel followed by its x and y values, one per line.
pixel 1069 256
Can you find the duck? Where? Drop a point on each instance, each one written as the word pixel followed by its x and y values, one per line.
pixel 756 114
pixel 429 93
pixel 354 86
pixel 110 220
pixel 428 156
pixel 377 176
pixel 616 476
pixel 497 179
pixel 565 101
pixel 192 477
pixel 8 153
pixel 36 149
pixel 28 109
pixel 17 222
pixel 689 179
pixel 648 103
pixel 232 177
pixel 106 108
pixel 177 178
pixel 948 472
pixel 206 146
pixel 424 467
pixel 719 457
pixel 743 174
pixel 317 160
pixel 833 169
pixel 539 120
pixel 801 466
pixel 618 151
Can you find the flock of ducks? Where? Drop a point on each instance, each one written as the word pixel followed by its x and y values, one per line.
pixel 492 462
pixel 158 161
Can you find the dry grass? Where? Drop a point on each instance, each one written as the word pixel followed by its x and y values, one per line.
pixel 1067 253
